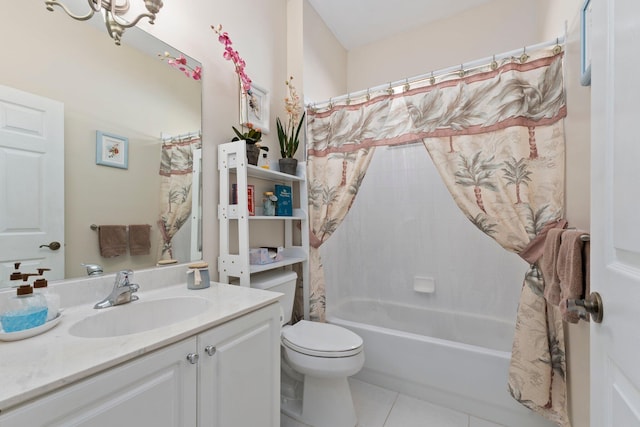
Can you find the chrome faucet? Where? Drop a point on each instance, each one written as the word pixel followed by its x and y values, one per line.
pixel 93 269
pixel 122 292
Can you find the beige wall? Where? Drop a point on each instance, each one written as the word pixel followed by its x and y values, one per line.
pixel 49 57
pixel 325 60
pixel 492 28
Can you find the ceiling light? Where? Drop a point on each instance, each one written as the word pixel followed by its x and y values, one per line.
pixel 112 13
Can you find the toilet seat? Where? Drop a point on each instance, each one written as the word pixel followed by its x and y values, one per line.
pixel 321 340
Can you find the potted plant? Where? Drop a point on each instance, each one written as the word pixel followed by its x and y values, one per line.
pixel 252 138
pixel 288 135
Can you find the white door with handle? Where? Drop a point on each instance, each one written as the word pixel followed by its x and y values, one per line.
pixel 31 183
pixel 615 212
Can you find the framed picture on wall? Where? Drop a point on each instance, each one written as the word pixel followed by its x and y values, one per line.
pixel 254 108
pixel 585 44
pixel 112 150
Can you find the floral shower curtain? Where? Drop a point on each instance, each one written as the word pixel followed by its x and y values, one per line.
pixel 496 137
pixel 176 169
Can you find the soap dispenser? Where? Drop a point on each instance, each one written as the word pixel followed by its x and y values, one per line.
pixel 40 286
pixel 25 310
pixel 16 275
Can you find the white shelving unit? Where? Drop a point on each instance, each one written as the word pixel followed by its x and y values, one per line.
pixel 234 168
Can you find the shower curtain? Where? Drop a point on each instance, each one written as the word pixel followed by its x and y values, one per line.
pixel 496 137
pixel 176 169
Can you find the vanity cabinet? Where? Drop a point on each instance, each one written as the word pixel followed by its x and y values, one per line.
pixel 155 390
pixel 237 224
pixel 239 372
pixel 226 376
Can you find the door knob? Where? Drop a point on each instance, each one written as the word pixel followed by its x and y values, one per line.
pixel 210 350
pixel 592 304
pixel 54 246
pixel 193 358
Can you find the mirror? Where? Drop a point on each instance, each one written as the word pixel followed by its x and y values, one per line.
pixel 118 90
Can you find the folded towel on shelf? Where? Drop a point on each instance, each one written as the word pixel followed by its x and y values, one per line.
pixel 571 271
pixel 112 240
pixel 139 239
pixel 548 265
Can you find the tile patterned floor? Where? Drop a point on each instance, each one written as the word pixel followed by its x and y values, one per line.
pixel 378 407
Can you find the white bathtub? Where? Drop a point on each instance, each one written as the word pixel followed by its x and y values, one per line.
pixel 452 359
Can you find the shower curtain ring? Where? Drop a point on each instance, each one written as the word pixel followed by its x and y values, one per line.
pixel 390 90
pixel 368 95
pixel 330 103
pixel 494 63
pixel 432 80
pixel 406 86
pixel 461 72
pixel 348 101
pixel 524 57
pixel 557 48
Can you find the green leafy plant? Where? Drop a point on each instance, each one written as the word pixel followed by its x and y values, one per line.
pixel 252 136
pixel 289 135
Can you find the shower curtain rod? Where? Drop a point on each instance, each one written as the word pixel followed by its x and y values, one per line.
pixel 440 73
pixel 183 136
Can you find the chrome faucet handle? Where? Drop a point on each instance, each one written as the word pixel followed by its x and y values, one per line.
pixel 93 269
pixel 122 291
pixel 122 278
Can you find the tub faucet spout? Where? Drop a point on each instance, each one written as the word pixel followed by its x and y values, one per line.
pixel 122 292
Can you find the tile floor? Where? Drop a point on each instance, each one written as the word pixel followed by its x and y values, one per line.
pixel 379 407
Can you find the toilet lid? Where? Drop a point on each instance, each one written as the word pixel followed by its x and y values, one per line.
pixel 321 339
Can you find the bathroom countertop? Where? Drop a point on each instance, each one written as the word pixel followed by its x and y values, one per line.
pixel 34 366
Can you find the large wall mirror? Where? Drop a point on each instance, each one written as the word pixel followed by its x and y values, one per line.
pixel 117 90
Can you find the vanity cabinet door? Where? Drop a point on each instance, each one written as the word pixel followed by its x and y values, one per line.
pixel 157 390
pixel 239 372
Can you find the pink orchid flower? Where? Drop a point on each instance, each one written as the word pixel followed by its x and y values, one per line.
pixel 232 55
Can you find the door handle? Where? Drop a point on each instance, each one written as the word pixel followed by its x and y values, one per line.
pixel 592 304
pixel 54 246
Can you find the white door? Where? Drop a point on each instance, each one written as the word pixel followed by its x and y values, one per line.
pixel 31 183
pixel 615 247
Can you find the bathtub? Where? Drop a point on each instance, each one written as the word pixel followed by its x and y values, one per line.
pixel 451 359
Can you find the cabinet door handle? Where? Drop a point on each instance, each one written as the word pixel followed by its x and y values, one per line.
pixel 193 358
pixel 210 350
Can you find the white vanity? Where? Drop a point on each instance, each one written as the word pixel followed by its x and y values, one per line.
pixel 219 367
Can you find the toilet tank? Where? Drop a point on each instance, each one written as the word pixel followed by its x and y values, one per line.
pixel 283 281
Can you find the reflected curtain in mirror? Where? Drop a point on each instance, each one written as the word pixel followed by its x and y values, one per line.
pixel 176 170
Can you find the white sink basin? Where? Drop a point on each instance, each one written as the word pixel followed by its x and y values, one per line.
pixel 138 316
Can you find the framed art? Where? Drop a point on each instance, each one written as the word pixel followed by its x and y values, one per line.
pixel 254 108
pixel 112 150
pixel 585 44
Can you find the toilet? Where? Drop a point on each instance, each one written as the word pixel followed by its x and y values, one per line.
pixel 316 360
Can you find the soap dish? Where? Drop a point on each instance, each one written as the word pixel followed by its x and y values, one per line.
pixel 27 333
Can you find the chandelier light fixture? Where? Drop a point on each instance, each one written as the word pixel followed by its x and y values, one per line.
pixel 112 13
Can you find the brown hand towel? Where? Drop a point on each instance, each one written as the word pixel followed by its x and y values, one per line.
pixel 139 239
pixel 548 264
pixel 571 273
pixel 112 240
